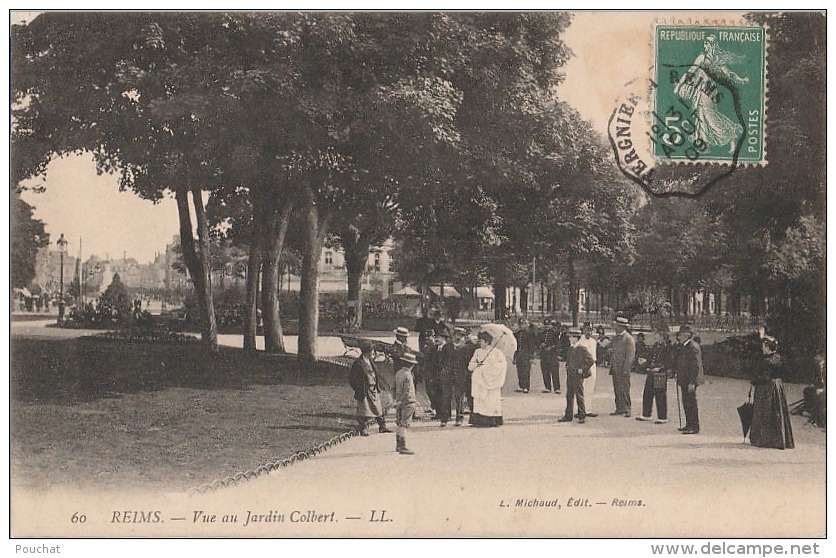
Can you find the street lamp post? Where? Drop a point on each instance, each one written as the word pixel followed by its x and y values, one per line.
pixel 62 248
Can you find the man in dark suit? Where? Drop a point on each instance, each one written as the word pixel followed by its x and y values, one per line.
pixel 526 347
pixel 439 326
pixel 689 375
pixel 621 364
pixel 364 381
pixel 422 326
pixel 578 366
pixel 549 363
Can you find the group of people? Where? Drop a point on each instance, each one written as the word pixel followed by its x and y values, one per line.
pixel 463 371
pixel 460 371
pixel 583 351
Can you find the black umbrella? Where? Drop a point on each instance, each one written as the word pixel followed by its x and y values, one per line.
pixel 746 413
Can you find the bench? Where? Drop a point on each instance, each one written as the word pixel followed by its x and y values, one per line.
pixel 350 343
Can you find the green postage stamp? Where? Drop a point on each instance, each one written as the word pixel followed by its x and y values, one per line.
pixel 710 94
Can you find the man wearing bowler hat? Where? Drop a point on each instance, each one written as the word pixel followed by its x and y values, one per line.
pixel 689 375
pixel 447 375
pixel 621 363
pixel 578 365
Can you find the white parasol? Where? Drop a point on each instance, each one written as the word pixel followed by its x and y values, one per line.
pixel 503 339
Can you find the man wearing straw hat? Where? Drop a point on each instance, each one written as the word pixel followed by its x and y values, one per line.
pixel 399 347
pixel 623 355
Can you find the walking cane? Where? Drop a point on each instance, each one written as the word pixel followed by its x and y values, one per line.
pixel 678 407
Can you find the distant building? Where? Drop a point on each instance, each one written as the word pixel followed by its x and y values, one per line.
pixel 333 276
pixel 48 270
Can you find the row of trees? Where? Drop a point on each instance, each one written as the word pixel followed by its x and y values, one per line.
pixel 281 125
pixel 279 132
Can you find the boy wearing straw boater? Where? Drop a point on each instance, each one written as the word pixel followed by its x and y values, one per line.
pixel 405 401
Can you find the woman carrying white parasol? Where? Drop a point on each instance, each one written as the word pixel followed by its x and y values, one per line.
pixel 489 367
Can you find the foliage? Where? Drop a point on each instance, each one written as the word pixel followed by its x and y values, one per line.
pixel 115 303
pixel 797 269
pixel 146 335
pixel 27 237
pixel 677 245
pixel 86 316
pixel 388 308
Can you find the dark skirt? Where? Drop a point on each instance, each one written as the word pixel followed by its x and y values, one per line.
pixel 771 427
pixel 483 420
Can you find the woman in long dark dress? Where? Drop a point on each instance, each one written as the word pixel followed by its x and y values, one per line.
pixel 771 427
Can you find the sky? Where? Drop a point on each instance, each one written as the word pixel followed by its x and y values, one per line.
pixel 611 49
pixel 86 206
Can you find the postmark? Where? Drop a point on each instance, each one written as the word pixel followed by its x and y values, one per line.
pixel 709 94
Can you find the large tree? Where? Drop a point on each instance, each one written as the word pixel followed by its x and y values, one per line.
pixel 774 215
pixel 135 90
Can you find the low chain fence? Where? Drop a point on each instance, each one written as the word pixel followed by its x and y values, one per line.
pixel 271 466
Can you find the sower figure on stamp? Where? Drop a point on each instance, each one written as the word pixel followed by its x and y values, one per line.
pixel 689 375
pixel 623 355
pixel 578 365
pixel 363 380
pixel 656 383
pixel 526 347
pixel 405 401
pixel 711 125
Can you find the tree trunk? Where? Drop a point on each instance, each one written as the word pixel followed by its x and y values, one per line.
pixel 574 293
pixel 270 276
pixel 313 233
pixel 209 332
pixel 600 299
pixel 356 248
pixel 193 264
pixel 251 304
pixel 500 300
pixel 355 265
pixel 524 300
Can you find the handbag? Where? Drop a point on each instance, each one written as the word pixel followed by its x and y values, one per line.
pixel 660 379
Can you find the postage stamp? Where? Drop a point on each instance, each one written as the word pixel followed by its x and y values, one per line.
pixel 709 94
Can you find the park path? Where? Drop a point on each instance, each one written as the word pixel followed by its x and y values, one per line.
pixel 625 478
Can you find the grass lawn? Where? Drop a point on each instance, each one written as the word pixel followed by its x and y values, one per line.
pixel 110 415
